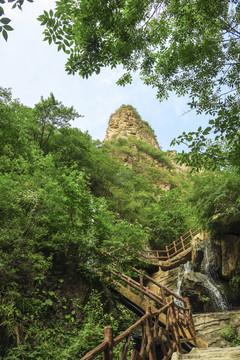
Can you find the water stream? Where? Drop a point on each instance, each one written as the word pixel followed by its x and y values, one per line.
pixel 208 279
pixel 212 284
pixel 181 273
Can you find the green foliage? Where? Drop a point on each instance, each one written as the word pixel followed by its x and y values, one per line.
pixel 231 335
pixel 235 281
pixel 4 21
pixel 73 336
pixel 50 115
pixel 190 47
pixel 136 148
pixel 170 218
pixel 156 154
pixel 53 227
pixel 215 198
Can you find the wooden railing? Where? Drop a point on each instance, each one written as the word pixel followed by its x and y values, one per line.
pixel 137 286
pixel 160 297
pixel 176 247
pixel 153 337
pixel 177 327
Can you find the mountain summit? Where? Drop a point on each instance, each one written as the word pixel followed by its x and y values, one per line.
pixel 127 122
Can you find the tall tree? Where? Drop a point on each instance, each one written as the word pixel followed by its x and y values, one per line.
pixel 188 46
pixel 50 115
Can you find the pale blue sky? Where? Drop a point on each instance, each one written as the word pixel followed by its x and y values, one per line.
pixel 32 68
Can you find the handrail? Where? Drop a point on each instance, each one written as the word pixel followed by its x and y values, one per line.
pixel 171 250
pixel 179 327
pixel 162 287
pixel 152 333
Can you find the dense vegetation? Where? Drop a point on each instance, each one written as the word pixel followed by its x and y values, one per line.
pixel 55 222
pixel 63 200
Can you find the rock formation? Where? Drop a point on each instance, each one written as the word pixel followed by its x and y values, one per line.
pixel 126 122
pixel 210 325
pixel 211 279
pixel 132 141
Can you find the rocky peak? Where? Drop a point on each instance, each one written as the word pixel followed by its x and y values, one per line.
pixel 127 122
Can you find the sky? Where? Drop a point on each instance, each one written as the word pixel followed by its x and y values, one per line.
pixel 32 68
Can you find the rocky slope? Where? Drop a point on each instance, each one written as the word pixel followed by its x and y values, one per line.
pixel 126 122
pixel 211 279
pixel 133 142
pixel 209 325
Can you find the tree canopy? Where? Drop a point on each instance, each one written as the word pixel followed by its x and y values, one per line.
pixel 189 46
pixel 4 21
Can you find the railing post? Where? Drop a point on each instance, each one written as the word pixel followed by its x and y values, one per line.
pixel 175 248
pixel 151 344
pixel 183 246
pixel 174 326
pixel 108 336
pixel 190 231
pixel 163 295
pixel 141 286
pixel 167 252
pixel 147 290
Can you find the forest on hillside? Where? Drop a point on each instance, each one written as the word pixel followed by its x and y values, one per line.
pixel 67 203
pixel 65 199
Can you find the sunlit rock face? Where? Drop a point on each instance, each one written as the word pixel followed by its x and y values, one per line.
pixel 136 147
pixel 211 279
pixel 209 325
pixel 125 122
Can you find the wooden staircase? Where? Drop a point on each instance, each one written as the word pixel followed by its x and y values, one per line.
pixel 166 323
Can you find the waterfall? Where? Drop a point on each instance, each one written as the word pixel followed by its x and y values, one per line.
pixel 187 268
pixel 214 288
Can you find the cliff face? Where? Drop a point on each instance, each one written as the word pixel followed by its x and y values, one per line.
pixel 133 142
pixel 126 122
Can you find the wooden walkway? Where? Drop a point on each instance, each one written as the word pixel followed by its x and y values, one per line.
pixel 175 248
pixel 167 325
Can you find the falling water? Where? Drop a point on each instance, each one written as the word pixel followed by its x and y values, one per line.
pixel 218 298
pixel 186 269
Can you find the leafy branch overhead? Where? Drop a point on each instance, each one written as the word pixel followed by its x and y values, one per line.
pixel 4 21
pixel 190 47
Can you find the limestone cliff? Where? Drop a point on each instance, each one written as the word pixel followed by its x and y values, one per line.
pixel 133 142
pixel 126 122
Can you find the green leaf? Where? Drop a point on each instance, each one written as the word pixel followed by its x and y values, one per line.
pixel 48 302
pixel 5 34
pixel 8 27
pixel 207 130
pixel 5 20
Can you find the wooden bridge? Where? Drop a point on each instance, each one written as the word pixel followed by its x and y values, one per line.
pixel 166 323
